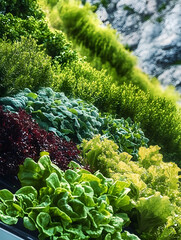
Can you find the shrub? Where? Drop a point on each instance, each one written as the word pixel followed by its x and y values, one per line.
pixel 23 64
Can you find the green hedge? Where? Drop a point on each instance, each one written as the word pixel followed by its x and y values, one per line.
pixel 84 28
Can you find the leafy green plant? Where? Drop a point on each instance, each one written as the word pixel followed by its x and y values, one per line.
pixel 75 119
pixel 21 8
pixel 54 43
pixel 74 204
pixel 126 134
pixel 23 64
pixel 159 116
pixel 154 185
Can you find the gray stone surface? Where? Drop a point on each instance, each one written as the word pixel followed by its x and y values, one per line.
pixel 152 30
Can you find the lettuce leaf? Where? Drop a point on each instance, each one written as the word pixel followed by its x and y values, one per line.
pixel 74 204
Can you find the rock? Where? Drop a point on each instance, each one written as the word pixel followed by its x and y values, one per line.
pixel 174 77
pixel 152 30
pixel 103 15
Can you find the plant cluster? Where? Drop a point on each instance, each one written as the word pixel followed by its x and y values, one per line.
pixel 74 204
pixel 102 41
pixel 83 27
pixel 21 8
pixel 154 184
pixel 54 43
pixel 127 135
pixel 23 64
pixel 21 137
pixel 159 116
pixel 75 119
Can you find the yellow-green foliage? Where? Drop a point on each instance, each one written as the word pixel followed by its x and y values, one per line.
pixel 147 175
pixel 100 154
pixel 83 26
pixel 23 64
pixel 79 79
pixel 150 156
pixel 155 185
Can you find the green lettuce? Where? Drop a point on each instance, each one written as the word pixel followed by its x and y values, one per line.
pixel 74 204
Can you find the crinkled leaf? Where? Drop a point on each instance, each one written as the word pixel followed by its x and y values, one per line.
pixel 32 95
pixel 53 181
pixel 6 195
pixel 8 219
pixel 56 212
pixel 29 223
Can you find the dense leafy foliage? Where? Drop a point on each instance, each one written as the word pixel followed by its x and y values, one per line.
pixel 74 204
pixel 159 117
pixel 21 8
pixel 23 64
pixel 154 185
pixel 20 137
pixel 127 135
pixel 75 119
pixel 13 27
pixel 77 204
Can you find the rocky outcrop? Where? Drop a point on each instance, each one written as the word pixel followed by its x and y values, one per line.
pixel 152 30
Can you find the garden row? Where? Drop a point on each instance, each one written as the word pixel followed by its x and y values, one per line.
pixel 146 193
pixel 158 113
pixel 122 187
